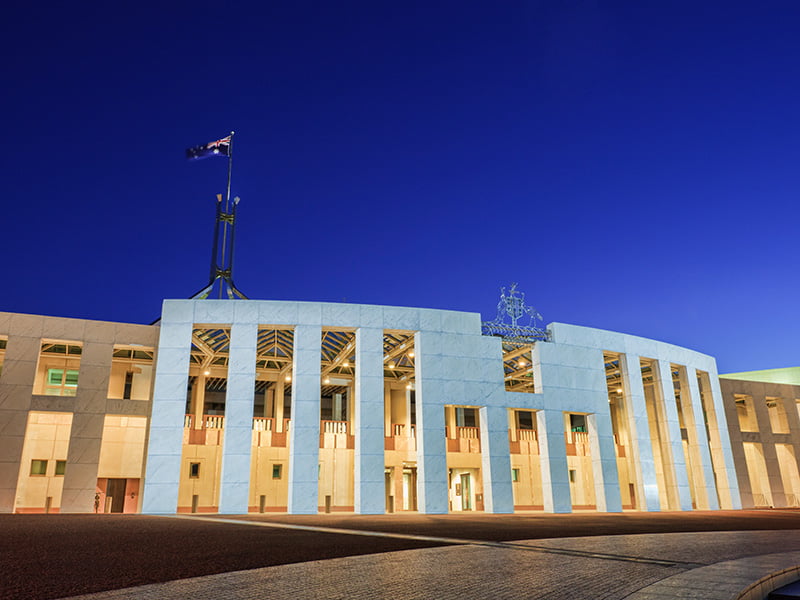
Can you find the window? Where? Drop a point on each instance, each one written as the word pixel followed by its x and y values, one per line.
pixel 515 475
pixel 466 417
pixel 3 342
pixel 38 467
pixel 577 423
pixel 58 368
pixel 194 470
pixel 525 419
pixel 131 372
pixel 276 471
pixel 61 466
pixel 572 475
pixel 61 382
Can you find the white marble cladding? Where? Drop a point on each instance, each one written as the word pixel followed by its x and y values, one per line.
pixel 455 364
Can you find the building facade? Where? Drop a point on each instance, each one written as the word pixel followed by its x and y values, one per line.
pixel 299 407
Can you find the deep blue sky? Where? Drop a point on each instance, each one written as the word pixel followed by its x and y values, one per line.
pixel 633 165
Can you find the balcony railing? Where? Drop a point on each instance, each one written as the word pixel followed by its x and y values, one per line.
pixel 527 435
pixel 333 426
pixel 399 430
pixel 207 422
pixel 262 424
pixel 468 433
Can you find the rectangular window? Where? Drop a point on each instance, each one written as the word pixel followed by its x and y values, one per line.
pixel 276 471
pixel 3 343
pixel 194 470
pixel 131 372
pixel 525 419
pixel 572 475
pixel 61 466
pixel 515 475
pixel 577 423
pixel 38 467
pixel 58 368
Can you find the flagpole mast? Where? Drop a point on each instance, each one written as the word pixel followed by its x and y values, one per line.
pixel 230 170
pixel 222 269
pixel 227 205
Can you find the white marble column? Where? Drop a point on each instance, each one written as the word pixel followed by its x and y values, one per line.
pixel 553 461
pixel 638 425
pixel 237 441
pixel 675 466
pixel 432 490
pixel 165 444
pixel 604 462
pixel 369 485
pixel 498 496
pixel 727 482
pixel 698 440
pixel 304 431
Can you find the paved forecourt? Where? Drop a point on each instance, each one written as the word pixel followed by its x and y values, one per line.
pixel 713 565
pixel 55 556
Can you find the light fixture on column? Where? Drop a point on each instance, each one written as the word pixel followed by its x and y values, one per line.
pixel 288 378
pixel 206 373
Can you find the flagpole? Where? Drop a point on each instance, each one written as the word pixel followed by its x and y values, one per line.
pixel 230 170
pixel 227 207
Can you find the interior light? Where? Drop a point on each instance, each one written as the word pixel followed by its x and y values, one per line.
pixel 522 363
pixel 207 373
pixel 391 365
pixel 408 387
pixel 345 364
pixel 410 355
pixel 288 378
pixel 327 380
pixel 619 390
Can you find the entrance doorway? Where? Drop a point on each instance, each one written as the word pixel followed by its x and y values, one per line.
pixel 410 488
pixel 466 492
pixel 115 495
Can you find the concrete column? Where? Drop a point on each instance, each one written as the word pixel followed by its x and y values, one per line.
pixel 16 386
pixel 198 401
pixel 165 444
pixel 768 446
pixel 553 461
pixel 641 445
pixel 369 481
pixel 498 496
pixel 237 441
pixel 432 492
pixel 350 399
pixel 304 431
pixel 387 410
pixel 269 403
pixel 698 441
pixel 675 463
pixel 280 388
pixel 86 434
pixel 450 421
pixel 727 482
pixel 604 462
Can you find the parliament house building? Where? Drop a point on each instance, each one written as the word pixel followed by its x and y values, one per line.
pixel 237 406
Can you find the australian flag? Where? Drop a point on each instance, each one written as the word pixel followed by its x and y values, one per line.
pixel 219 148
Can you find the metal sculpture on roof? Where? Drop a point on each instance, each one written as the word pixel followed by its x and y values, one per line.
pixel 512 305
